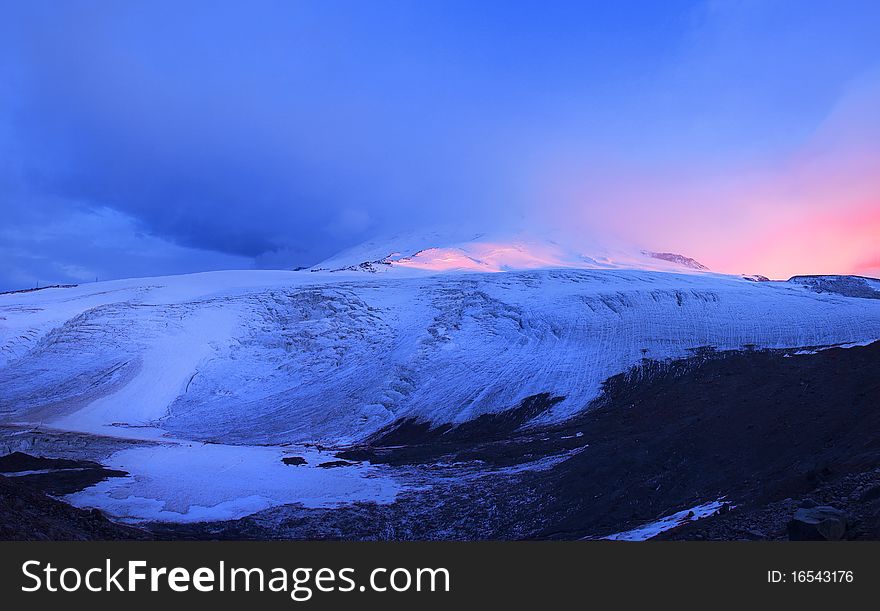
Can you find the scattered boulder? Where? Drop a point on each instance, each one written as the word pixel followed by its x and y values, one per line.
pixel 819 523
pixel 294 460
pixel 871 494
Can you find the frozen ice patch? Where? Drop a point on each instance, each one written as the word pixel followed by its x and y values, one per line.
pixel 189 482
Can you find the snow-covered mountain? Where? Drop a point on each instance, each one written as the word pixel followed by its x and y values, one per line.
pixel 333 354
pixel 471 251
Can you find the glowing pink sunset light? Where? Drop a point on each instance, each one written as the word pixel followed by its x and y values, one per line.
pixel 486 257
pixel 815 210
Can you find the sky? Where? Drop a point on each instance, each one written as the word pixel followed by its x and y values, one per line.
pixel 152 138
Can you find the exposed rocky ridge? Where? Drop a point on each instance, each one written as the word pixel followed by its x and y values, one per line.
pixel 673 257
pixel 39 288
pixel 848 286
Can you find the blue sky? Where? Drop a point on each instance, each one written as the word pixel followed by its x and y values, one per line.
pixel 147 138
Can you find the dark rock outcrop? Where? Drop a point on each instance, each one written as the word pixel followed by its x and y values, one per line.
pixel 673 257
pixel 332 464
pixel 28 514
pixel 847 286
pixel 819 523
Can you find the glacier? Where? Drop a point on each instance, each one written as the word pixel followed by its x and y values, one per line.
pixel 224 369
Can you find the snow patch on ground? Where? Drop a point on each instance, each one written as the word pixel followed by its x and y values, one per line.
pixel 189 482
pixel 822 348
pixel 643 533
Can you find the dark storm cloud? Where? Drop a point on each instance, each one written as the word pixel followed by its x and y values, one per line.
pixel 265 134
pixel 146 138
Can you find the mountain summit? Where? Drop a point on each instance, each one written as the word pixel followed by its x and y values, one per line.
pixel 495 252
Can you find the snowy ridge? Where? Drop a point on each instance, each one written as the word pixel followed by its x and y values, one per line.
pixel 443 251
pixel 285 357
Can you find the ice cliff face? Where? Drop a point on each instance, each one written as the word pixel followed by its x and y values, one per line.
pixel 321 356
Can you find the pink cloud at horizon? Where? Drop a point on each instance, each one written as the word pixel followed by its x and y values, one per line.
pixel 816 211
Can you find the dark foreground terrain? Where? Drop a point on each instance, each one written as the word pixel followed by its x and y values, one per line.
pixel 29 511
pixel 769 433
